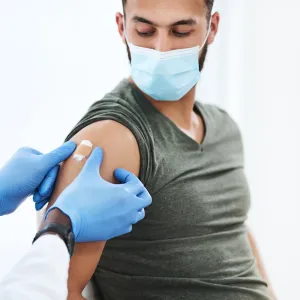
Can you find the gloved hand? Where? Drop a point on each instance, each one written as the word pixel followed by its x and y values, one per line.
pixel 29 171
pixel 100 210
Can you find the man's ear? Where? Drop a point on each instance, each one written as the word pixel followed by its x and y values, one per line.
pixel 121 28
pixel 214 27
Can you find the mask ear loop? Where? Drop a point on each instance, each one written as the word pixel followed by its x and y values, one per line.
pixel 207 34
pixel 125 32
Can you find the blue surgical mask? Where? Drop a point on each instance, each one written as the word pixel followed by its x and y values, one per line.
pixel 165 76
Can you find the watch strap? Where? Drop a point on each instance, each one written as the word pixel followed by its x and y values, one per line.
pixel 63 231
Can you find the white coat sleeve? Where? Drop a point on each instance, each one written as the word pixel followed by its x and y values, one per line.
pixel 42 274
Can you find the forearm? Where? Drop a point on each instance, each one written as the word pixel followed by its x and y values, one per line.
pixel 75 296
pixel 85 254
pixel 84 262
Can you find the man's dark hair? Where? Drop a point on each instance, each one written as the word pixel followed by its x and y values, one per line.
pixel 209 4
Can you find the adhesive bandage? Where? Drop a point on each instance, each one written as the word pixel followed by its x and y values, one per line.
pixel 83 151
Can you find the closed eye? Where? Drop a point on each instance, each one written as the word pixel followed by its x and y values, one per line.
pixel 175 33
pixel 181 34
pixel 145 34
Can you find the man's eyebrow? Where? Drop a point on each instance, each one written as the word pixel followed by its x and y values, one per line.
pixel 138 19
pixel 190 21
pixel 185 22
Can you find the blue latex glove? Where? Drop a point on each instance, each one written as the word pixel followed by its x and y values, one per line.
pixel 100 210
pixel 43 193
pixel 27 171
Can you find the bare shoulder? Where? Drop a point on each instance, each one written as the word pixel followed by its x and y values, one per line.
pixel 118 143
pixel 120 151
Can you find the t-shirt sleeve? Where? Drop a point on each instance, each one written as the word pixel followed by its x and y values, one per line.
pixel 118 110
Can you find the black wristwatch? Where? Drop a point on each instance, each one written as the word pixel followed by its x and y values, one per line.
pixel 63 231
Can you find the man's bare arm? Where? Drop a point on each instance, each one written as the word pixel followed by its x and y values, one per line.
pixel 120 151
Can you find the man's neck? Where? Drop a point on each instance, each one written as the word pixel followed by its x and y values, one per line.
pixel 181 112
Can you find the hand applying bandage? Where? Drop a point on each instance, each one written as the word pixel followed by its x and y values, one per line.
pixel 30 171
pixel 98 209
pixel 43 193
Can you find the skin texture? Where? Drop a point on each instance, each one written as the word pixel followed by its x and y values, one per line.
pixel 112 137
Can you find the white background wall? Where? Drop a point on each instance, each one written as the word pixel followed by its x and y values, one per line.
pixel 57 57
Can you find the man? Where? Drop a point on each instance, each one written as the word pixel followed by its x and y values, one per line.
pixel 194 243
pixel 110 211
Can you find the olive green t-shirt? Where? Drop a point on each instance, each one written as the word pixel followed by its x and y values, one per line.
pixel 193 242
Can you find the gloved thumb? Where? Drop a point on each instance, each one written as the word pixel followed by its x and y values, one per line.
pixel 94 161
pixel 58 155
pixel 31 150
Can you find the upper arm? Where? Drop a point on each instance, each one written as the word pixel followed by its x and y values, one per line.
pixel 120 151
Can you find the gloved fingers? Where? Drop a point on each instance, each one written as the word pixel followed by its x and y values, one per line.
pixel 132 183
pixel 31 150
pixel 124 176
pixel 58 155
pixel 37 197
pixel 94 162
pixel 144 199
pixel 145 196
pixel 47 186
pixel 127 229
pixel 41 204
pixel 45 190
pixel 40 201
pixel 140 216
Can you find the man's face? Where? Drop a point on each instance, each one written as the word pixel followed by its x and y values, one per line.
pixel 165 25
